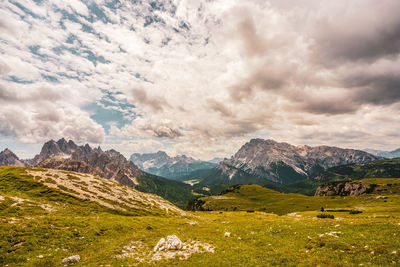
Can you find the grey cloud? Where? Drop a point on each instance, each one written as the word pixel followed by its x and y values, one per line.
pixel 140 96
pixel 375 89
pixel 363 31
pixel 162 130
pixel 264 79
pixel 253 42
pixel 220 107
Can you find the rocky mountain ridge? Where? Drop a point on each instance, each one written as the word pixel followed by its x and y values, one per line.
pixel 267 161
pixel 69 156
pixel 176 168
pixel 8 158
pixel 110 164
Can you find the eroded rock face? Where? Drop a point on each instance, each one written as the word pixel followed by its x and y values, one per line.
pixel 171 243
pixel 344 189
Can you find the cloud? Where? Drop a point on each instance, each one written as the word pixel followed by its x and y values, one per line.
pixel 142 99
pixel 201 77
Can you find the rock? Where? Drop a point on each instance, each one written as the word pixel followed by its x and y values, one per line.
pixel 160 245
pixel 40 256
pixel 172 243
pixel 344 189
pixel 227 234
pixel 71 259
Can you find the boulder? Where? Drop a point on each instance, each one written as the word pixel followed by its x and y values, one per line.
pixel 171 243
pixel 71 259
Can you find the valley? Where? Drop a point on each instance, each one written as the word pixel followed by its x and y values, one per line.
pixel 64 208
pixel 43 222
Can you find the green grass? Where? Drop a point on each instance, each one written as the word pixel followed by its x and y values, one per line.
pixel 255 197
pixel 98 234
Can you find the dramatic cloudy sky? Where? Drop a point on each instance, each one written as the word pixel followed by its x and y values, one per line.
pixel 199 77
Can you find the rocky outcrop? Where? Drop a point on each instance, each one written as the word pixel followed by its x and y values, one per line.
pixel 344 189
pixel 171 243
pixel 176 168
pixel 8 158
pixel 281 163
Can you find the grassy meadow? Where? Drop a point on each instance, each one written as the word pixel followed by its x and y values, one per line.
pixel 40 226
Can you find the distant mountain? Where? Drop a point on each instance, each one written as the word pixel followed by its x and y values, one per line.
pixel 267 161
pixel 384 154
pixel 8 158
pixel 108 164
pixel 176 168
pixel 216 160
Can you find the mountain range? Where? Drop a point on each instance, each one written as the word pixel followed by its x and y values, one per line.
pixel 267 161
pixel 384 154
pixel 176 168
pixel 110 164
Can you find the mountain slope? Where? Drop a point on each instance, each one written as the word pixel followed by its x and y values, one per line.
pixel 386 168
pixel 379 169
pixel 8 158
pixel 176 168
pixel 266 161
pixel 52 185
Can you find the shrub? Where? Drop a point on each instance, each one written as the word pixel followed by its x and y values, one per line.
pixel 355 212
pixel 323 216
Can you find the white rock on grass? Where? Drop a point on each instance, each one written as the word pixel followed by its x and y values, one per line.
pixel 172 243
pixel 71 259
pixel 227 234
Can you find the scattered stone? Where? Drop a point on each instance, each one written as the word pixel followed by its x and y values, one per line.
pixel 227 234
pixel 172 243
pixel 192 223
pixel 40 256
pixel 71 259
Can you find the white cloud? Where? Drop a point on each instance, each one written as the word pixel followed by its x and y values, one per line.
pixel 289 68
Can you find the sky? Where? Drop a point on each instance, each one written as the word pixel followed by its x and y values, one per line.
pixel 199 77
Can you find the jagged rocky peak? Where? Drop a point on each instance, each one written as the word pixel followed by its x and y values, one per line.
pixel 282 162
pixel 8 158
pixel 68 156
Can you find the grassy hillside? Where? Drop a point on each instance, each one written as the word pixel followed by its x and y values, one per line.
pixel 177 192
pixel 39 226
pixel 257 198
